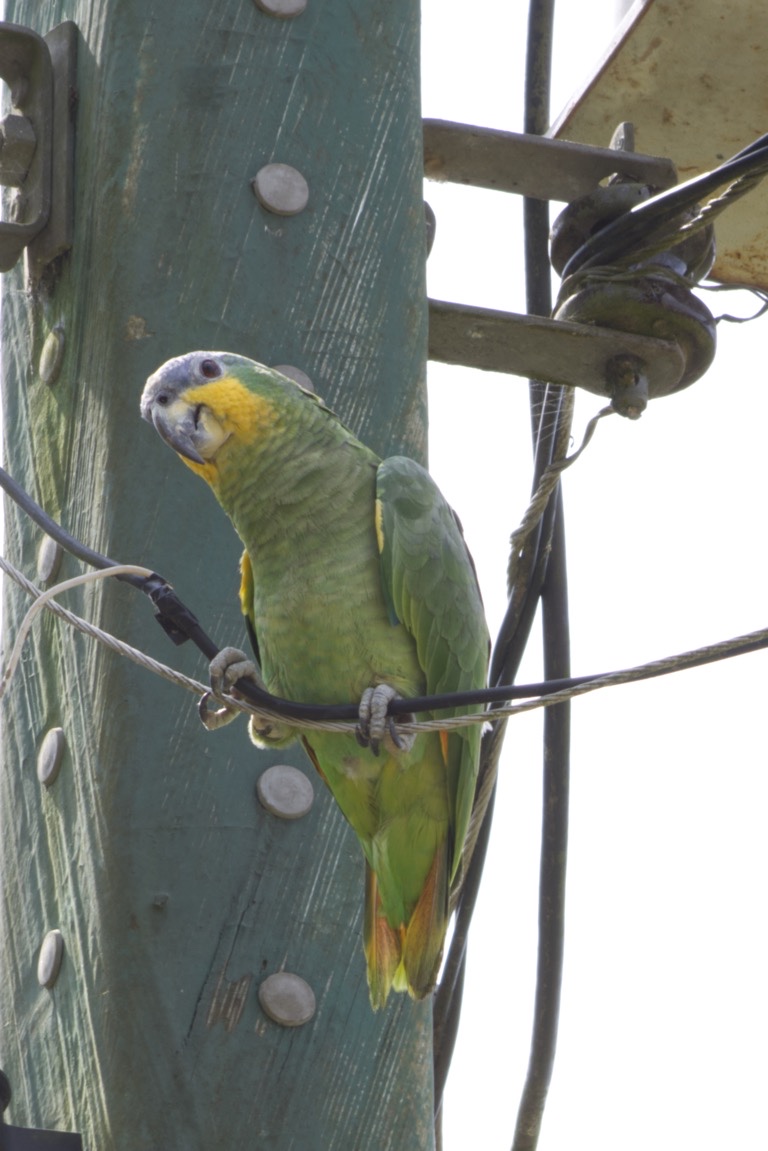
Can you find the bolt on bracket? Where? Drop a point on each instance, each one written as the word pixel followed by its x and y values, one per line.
pixel 37 144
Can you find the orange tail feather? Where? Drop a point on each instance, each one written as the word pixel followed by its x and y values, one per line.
pixel 382 944
pixel 425 933
pixel 406 958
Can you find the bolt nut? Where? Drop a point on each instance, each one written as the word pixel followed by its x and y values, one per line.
pixel 285 791
pixel 281 189
pixel 51 955
pixel 17 147
pixel 51 355
pixel 48 559
pixel 50 755
pixel 287 999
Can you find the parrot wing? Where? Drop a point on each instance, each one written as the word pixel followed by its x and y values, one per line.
pixel 246 602
pixel 430 586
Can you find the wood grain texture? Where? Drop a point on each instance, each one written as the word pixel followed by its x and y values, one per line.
pixel 176 893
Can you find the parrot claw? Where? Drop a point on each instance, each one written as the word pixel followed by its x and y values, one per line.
pixel 228 667
pixel 212 718
pixel 375 726
pixel 225 670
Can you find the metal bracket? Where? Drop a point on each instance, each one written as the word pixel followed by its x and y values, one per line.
pixel 581 355
pixel 538 348
pixel 37 144
pixel 535 166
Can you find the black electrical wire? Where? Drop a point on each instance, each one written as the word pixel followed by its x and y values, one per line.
pixel 556 654
pixel 659 218
pixel 546 412
pixel 74 546
pixel 553 855
pixel 191 629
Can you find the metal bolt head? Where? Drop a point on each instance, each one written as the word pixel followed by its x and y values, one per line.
pixel 48 559
pixel 17 147
pixel 51 355
pixel 287 999
pixel 51 955
pixel 281 189
pixel 284 9
pixel 50 755
pixel 285 791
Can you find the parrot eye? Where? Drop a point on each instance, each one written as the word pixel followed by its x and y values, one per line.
pixel 161 399
pixel 210 369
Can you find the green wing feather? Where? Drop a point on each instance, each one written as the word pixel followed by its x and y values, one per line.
pixel 431 588
pixel 246 602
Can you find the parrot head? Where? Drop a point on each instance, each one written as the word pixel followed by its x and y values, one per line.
pixel 202 401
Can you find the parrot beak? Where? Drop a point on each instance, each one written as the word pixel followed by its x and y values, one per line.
pixel 176 423
pixel 171 402
pixel 175 419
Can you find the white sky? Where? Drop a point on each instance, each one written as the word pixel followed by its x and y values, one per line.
pixel 665 1006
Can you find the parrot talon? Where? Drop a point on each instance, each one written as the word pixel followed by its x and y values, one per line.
pixel 403 741
pixel 365 740
pixel 376 726
pixel 212 718
pixel 228 667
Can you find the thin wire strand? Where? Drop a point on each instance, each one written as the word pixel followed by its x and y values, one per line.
pixel 682 661
pixel 541 497
pixel 90 629
pixel 42 599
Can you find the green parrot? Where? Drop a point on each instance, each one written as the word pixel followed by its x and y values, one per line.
pixel 356 585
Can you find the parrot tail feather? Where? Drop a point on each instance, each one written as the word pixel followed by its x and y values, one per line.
pixel 406 958
pixel 425 933
pixel 382 944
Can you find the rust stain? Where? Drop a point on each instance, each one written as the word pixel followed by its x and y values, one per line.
pixel 136 328
pixel 228 1001
pixel 653 46
pixel 434 165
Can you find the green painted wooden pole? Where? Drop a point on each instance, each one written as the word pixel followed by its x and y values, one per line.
pixel 175 891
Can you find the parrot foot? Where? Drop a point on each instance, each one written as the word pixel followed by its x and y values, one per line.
pixel 225 670
pixel 375 726
pixel 228 667
pixel 212 718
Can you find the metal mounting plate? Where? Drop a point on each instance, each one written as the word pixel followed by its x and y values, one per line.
pixel 531 165
pixel 40 73
pixel 56 237
pixel 25 66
